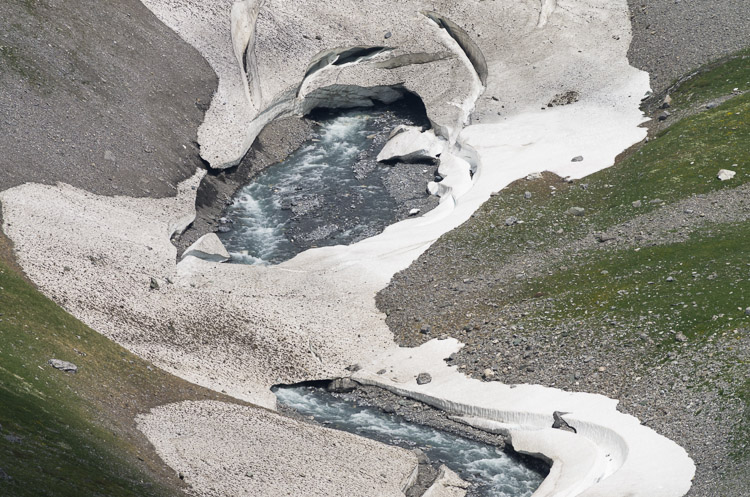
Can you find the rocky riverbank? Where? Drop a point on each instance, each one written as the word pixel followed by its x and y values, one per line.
pixel 330 190
pixel 608 285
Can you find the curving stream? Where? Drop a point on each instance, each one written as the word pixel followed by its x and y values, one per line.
pixel 490 471
pixel 333 191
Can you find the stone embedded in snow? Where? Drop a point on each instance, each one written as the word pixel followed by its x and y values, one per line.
pixel 423 378
pixel 578 158
pixel 411 145
pixel 209 248
pixel 414 212
pixel 66 366
pixel 560 424
pixel 726 174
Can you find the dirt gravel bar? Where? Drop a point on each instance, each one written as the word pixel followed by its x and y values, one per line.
pixel 221 450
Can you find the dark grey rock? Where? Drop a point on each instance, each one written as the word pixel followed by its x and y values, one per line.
pixel 578 158
pixel 423 378
pixel 421 456
pixel 154 285
pixel 66 366
pixel 560 424
pixel 566 98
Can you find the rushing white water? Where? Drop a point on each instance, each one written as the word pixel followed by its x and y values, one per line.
pixel 330 191
pixel 492 472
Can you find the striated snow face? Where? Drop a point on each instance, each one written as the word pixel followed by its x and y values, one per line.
pixel 242 329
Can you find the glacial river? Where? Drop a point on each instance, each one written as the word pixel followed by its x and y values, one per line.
pixel 490 471
pixel 330 191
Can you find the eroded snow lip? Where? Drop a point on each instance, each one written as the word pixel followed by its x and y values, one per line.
pixel 611 453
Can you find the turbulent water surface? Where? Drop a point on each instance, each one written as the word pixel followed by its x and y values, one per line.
pixel 331 191
pixel 492 472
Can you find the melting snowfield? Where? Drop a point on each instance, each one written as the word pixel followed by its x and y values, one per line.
pixel 486 72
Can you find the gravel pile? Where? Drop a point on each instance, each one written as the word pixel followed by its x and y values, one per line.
pixel 99 95
pixel 672 37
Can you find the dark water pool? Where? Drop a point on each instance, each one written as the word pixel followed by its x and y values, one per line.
pixel 331 191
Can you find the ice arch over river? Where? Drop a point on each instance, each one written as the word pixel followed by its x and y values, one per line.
pixel 242 329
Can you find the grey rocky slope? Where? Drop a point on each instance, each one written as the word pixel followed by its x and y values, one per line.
pixel 100 95
pixel 673 37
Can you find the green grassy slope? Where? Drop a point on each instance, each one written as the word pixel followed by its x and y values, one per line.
pixel 67 434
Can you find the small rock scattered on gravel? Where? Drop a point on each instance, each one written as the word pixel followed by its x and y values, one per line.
pixel 576 211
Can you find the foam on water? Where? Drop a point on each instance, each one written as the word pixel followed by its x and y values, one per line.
pixel 491 471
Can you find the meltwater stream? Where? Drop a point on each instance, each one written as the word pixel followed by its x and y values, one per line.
pixel 331 191
pixel 490 471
